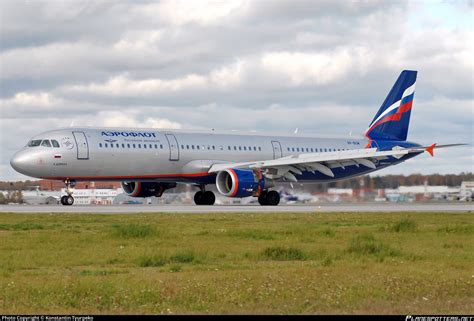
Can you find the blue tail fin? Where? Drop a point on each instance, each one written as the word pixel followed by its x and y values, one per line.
pixel 392 120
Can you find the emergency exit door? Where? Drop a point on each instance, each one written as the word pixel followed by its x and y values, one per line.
pixel 277 152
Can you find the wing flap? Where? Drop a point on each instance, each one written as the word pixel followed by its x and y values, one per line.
pixel 348 157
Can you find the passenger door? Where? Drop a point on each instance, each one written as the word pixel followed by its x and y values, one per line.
pixel 174 148
pixel 81 145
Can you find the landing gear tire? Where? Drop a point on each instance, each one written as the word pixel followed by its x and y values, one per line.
pixel 271 198
pixel 262 199
pixel 204 198
pixel 209 198
pixel 198 197
pixel 67 200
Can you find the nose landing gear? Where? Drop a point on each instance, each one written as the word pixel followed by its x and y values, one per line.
pixel 68 199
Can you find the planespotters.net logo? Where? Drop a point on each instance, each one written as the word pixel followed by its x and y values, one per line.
pixel 439 318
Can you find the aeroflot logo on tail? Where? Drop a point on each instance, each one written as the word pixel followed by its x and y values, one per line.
pixel 128 134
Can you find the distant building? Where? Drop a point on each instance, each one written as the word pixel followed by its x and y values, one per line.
pixel 466 192
pixel 340 191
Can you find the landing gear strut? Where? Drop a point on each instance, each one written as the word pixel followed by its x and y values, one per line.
pixel 269 198
pixel 68 199
pixel 204 197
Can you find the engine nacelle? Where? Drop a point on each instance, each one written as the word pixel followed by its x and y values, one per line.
pixel 239 182
pixel 146 189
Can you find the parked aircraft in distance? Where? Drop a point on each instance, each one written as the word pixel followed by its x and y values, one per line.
pixel 150 161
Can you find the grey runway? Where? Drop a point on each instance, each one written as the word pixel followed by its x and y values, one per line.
pixel 175 208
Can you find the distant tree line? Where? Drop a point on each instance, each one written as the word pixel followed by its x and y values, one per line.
pixel 394 181
pixel 18 185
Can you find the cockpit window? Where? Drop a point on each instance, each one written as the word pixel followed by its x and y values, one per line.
pixel 34 143
pixel 46 143
pixel 55 143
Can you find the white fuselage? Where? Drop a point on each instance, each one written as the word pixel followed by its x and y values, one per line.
pixel 163 155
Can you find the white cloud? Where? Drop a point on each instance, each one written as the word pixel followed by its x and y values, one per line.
pixel 139 40
pixel 36 99
pixel 320 68
pixel 204 12
pixel 120 119
pixel 124 86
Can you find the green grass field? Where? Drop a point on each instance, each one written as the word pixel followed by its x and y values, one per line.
pixel 323 263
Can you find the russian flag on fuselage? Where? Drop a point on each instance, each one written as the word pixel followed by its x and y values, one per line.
pixel 392 120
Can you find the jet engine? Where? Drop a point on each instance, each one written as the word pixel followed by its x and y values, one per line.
pixel 240 183
pixel 146 189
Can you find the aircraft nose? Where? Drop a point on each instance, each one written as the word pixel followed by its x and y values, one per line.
pixel 20 162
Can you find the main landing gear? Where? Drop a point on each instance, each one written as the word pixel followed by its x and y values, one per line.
pixel 204 197
pixel 68 199
pixel 269 198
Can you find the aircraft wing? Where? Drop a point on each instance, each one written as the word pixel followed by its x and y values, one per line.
pixel 287 166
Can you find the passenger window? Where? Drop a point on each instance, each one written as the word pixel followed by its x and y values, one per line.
pixel 55 143
pixel 133 145
pixel 144 146
pixel 106 145
pixel 117 145
pixel 235 147
pixel 46 143
pixel 228 147
pixel 213 147
pixel 192 146
pixel 128 145
pixel 255 148
pixel 100 145
pixel 197 146
pixel 161 146
pixel 240 147
pixel 259 148
pixel 245 148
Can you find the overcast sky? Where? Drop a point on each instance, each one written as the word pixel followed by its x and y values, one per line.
pixel 321 66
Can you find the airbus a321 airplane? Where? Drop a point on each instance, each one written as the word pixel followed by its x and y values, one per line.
pixel 150 161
